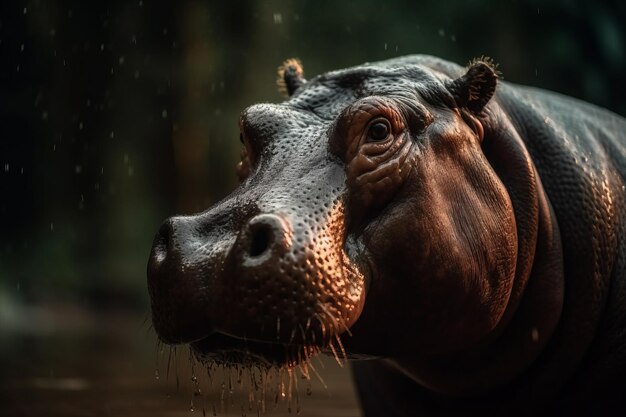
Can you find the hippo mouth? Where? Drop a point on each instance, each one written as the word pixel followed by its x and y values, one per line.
pixel 227 350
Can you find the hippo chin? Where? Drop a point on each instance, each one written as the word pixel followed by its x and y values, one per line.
pixel 466 235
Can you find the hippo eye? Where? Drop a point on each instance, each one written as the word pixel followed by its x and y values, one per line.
pixel 378 131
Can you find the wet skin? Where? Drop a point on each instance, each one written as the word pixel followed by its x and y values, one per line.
pixel 463 234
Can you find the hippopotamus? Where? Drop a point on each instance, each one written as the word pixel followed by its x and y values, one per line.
pixel 460 238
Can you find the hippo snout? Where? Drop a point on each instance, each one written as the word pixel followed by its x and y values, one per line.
pixel 269 277
pixel 183 280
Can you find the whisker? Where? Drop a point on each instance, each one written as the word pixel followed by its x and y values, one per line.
pixel 290 388
pixel 345 327
pixel 304 369
pixel 302 332
pixel 293 335
pixel 332 348
pixel 318 376
pixel 176 365
pixel 295 380
pixel 323 326
pixel 169 361
pixel 319 359
pixel 146 316
pixel 299 354
pixel 332 318
pixel 343 350
pixel 149 330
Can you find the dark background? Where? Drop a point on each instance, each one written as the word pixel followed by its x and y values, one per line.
pixel 115 115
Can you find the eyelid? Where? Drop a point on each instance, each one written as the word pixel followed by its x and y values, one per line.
pixel 417 115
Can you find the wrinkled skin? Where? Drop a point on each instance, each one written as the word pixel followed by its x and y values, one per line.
pixel 468 240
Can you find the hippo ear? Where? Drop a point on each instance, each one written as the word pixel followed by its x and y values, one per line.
pixel 290 77
pixel 475 88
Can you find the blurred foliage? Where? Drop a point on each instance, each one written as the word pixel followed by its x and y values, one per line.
pixel 117 114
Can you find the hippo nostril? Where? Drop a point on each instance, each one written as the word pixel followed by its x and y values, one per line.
pixel 264 235
pixel 260 239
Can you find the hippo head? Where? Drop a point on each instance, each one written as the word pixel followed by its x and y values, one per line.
pixel 367 212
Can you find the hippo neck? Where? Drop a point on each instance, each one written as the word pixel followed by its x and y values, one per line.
pixel 536 299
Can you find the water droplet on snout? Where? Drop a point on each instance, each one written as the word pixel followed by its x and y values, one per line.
pixel 156 374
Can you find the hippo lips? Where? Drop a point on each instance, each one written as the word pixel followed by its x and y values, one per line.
pixel 227 350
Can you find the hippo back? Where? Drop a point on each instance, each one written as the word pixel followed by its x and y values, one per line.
pixel 579 151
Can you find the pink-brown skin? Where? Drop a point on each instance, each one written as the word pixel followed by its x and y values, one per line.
pixel 405 201
pixel 462 210
pixel 464 267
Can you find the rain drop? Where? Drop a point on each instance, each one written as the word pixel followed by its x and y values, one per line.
pixel 534 334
